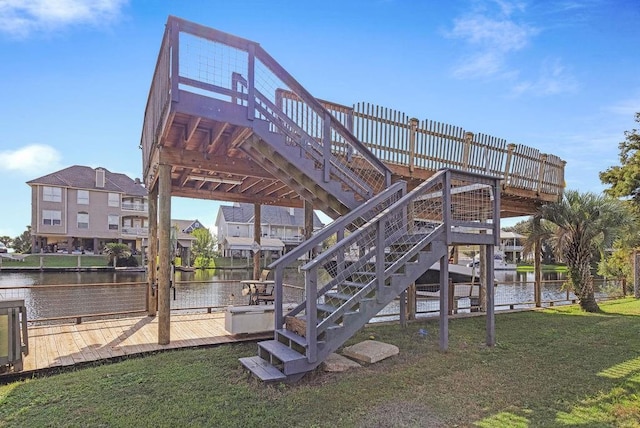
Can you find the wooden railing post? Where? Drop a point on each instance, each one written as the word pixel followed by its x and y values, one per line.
pixel 543 164
pixel 413 127
pixel 326 147
pixel 468 139
pixel 507 166
pixel 175 62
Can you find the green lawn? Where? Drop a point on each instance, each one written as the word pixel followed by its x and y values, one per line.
pixel 59 261
pixel 556 367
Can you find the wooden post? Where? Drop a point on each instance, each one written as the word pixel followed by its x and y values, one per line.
pixel 543 164
pixel 411 301
pixel 403 309
pixel 257 235
pixel 164 241
pixel 468 139
pixel 482 271
pixel 413 126
pixel 490 306
pixel 308 223
pixel 507 165
pixel 444 303
pixel 152 253
pixel 537 264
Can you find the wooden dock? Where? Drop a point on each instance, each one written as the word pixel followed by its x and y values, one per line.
pixel 60 345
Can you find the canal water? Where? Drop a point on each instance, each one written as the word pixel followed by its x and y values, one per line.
pixel 81 293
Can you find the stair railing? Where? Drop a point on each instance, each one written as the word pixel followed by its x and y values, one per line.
pixel 338 229
pixel 448 204
pixel 207 62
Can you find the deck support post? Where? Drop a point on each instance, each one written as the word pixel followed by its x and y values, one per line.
pixel 152 253
pixel 411 301
pixel 164 252
pixel 537 264
pixel 444 302
pixel 257 234
pixel 490 296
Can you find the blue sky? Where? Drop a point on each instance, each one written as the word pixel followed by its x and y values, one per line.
pixel 560 76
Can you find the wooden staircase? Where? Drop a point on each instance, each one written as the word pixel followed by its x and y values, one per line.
pixel 249 112
pixel 393 239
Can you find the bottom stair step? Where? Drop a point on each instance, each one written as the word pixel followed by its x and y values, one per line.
pixel 262 369
pixel 281 351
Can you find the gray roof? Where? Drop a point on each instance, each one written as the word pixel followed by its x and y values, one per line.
pixel 274 215
pixel 84 177
pixel 184 226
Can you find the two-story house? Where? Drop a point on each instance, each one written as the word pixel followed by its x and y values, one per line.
pixel 281 228
pixel 512 245
pixel 81 209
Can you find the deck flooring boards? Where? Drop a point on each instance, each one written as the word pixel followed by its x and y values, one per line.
pixel 66 344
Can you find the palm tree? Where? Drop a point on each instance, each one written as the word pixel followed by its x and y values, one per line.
pixel 115 251
pixel 586 224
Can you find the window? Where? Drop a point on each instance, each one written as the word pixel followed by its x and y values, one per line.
pixel 114 221
pixel 52 194
pixel 51 218
pixel 114 200
pixel 83 220
pixel 83 197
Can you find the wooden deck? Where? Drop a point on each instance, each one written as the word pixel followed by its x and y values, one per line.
pixel 52 346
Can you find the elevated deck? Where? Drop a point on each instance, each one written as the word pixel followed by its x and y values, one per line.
pixel 199 115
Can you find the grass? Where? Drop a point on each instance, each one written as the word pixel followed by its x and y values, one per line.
pixel 57 260
pixel 526 267
pixel 555 367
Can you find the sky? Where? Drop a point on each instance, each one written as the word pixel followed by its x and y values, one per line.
pixel 560 76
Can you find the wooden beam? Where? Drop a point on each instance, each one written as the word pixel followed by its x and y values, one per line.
pixel 190 129
pixel 215 138
pixel 236 197
pixel 222 164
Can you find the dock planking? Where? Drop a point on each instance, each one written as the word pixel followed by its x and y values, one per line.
pixel 67 344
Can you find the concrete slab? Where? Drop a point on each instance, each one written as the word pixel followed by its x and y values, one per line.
pixel 337 363
pixel 370 351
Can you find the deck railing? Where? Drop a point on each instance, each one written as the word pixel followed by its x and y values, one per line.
pixel 208 62
pixel 78 302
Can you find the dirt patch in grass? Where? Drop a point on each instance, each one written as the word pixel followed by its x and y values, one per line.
pixel 401 413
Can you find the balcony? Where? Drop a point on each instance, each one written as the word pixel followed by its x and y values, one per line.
pixel 135 206
pixel 135 231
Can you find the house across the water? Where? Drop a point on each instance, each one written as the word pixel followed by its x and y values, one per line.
pixel 281 229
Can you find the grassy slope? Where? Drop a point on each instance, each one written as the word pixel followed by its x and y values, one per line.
pixel 557 367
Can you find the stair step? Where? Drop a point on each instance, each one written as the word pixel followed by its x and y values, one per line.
pixel 281 351
pixel 295 338
pixel 354 284
pixel 326 308
pixel 262 369
pixel 339 296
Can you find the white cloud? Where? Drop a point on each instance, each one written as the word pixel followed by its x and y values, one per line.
pixel 491 39
pixel 20 18
pixel 494 32
pixel 553 79
pixel 31 160
pixel 628 107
